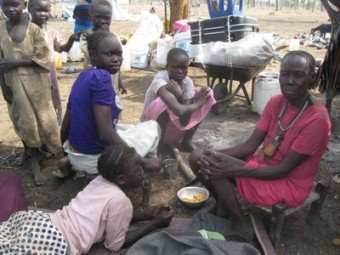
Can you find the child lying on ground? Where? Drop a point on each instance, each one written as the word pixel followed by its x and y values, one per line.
pixel 101 212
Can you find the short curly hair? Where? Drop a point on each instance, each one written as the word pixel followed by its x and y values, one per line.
pixel 175 52
pixel 100 2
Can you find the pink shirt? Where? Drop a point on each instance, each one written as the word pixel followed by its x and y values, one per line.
pixel 161 79
pixel 100 212
pixel 308 136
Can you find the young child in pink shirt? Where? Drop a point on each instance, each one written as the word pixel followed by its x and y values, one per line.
pixel 101 212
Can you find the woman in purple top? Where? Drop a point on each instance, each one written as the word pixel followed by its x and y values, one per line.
pixel 93 110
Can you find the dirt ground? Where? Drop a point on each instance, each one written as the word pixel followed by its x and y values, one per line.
pixel 223 130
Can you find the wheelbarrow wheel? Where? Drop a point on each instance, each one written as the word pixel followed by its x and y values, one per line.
pixel 220 93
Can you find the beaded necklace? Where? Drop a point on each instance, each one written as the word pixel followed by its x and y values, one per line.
pixel 271 148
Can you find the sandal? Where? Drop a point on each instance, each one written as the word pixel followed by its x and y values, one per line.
pixel 60 174
pixel 336 178
pixel 69 70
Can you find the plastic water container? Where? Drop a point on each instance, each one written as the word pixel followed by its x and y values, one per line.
pixel 163 47
pixel 140 57
pixel 64 57
pixel 57 60
pixel 183 41
pixel 197 52
pixel 126 65
pixel 266 85
pixel 294 44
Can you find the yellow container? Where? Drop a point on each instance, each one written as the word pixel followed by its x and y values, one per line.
pixel 57 60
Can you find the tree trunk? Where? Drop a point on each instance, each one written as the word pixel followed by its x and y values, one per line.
pixel 277 5
pixel 179 9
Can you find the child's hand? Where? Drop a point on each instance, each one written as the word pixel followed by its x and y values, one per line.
pixel 158 209
pixel 122 90
pixel 174 88
pixel 7 65
pixel 162 215
pixel 7 94
pixel 76 36
pixel 202 96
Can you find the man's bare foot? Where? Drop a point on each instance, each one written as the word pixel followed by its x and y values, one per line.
pixel 21 159
pixel 186 146
pixel 39 178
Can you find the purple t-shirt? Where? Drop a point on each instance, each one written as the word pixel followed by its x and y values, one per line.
pixel 92 87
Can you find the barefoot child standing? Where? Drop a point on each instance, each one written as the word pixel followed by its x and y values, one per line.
pixel 24 67
pixel 40 11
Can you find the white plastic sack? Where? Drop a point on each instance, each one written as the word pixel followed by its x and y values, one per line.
pixel 251 51
pixel 75 54
pixel 149 29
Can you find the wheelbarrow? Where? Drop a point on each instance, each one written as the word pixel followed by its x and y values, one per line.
pixel 224 90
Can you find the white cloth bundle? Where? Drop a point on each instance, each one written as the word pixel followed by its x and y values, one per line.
pixel 251 51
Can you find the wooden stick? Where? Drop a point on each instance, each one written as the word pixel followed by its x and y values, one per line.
pixel 189 174
pixel 261 234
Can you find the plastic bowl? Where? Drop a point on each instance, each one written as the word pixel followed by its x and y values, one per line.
pixel 189 192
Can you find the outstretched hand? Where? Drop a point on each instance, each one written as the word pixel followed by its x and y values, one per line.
pixel 162 215
pixel 203 96
pixel 76 36
pixel 122 90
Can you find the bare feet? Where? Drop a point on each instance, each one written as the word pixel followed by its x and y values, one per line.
pixel 166 151
pixel 47 149
pixel 187 146
pixel 21 159
pixel 39 178
pixel 64 166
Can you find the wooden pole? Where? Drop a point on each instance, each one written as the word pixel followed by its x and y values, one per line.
pixel 189 174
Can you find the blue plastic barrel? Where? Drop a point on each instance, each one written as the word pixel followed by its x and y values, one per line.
pixel 223 8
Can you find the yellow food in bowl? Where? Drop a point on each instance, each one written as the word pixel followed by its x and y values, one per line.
pixel 195 199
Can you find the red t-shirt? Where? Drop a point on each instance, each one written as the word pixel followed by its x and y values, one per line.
pixel 309 136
